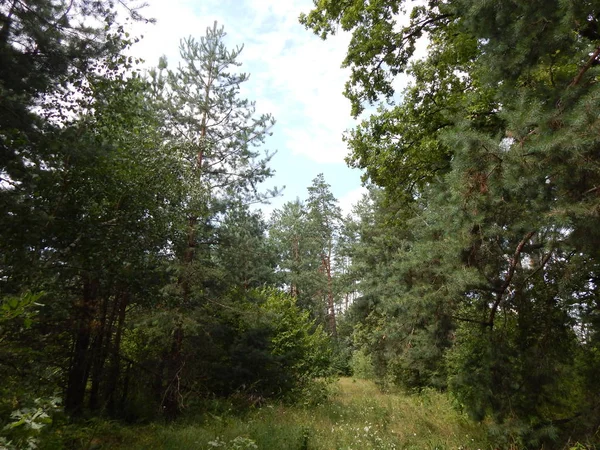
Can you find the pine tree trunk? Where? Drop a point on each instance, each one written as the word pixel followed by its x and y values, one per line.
pixel 80 361
pixel 115 357
pixel 171 403
pixel 296 259
pixel 126 382
pixel 188 259
pixel 99 356
pixel 330 299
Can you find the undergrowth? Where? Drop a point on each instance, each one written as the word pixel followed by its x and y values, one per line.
pixel 356 416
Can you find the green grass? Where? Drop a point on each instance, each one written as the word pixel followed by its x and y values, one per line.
pixel 357 416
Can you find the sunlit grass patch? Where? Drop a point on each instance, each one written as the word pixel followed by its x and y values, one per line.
pixel 357 416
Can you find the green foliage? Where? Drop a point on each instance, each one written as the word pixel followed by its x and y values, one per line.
pixel 79 172
pixel 249 347
pixel 304 345
pixel 246 258
pixel 357 416
pixel 361 365
pixel 26 424
pixel 489 161
pixel 298 261
pixel 307 240
pixel 13 307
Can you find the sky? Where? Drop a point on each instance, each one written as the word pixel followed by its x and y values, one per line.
pixel 294 75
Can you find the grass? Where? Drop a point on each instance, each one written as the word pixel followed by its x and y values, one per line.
pixel 356 416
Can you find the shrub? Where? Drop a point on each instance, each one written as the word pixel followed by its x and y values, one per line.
pixel 362 365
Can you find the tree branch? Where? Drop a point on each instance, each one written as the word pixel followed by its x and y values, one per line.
pixel 585 68
pixel 509 276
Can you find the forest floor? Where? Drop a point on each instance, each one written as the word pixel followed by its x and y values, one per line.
pixel 355 416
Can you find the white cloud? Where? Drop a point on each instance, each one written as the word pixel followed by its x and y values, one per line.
pixel 320 144
pixel 175 19
pixel 294 75
pixel 348 201
pixel 303 73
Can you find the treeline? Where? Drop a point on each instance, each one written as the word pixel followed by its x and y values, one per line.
pixel 136 281
pixel 478 253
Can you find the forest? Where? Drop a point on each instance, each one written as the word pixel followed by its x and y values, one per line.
pixel 144 295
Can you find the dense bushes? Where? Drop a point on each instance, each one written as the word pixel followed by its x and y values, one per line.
pixel 251 346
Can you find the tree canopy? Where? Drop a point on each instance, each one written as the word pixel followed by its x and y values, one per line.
pixel 488 161
pixel 138 282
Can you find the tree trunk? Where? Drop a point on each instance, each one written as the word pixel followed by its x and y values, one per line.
pixel 188 259
pixel 98 355
pixel 126 383
pixel 330 299
pixel 171 403
pixel 80 362
pixel 115 364
pixel 296 259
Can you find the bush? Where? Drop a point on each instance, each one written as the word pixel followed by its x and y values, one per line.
pixel 249 347
pixel 303 348
pixel 362 365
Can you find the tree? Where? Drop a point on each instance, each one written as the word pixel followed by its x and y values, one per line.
pixel 287 231
pixel 212 129
pixel 492 145
pixel 47 49
pixel 79 165
pixel 216 134
pixel 98 217
pixel 132 212
pixel 305 237
pixel 300 264
pixel 244 255
pixel 324 216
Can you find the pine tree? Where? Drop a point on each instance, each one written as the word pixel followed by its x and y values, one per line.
pixel 324 216
pixel 216 134
pixel 306 237
pixel 288 233
pixel 493 145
